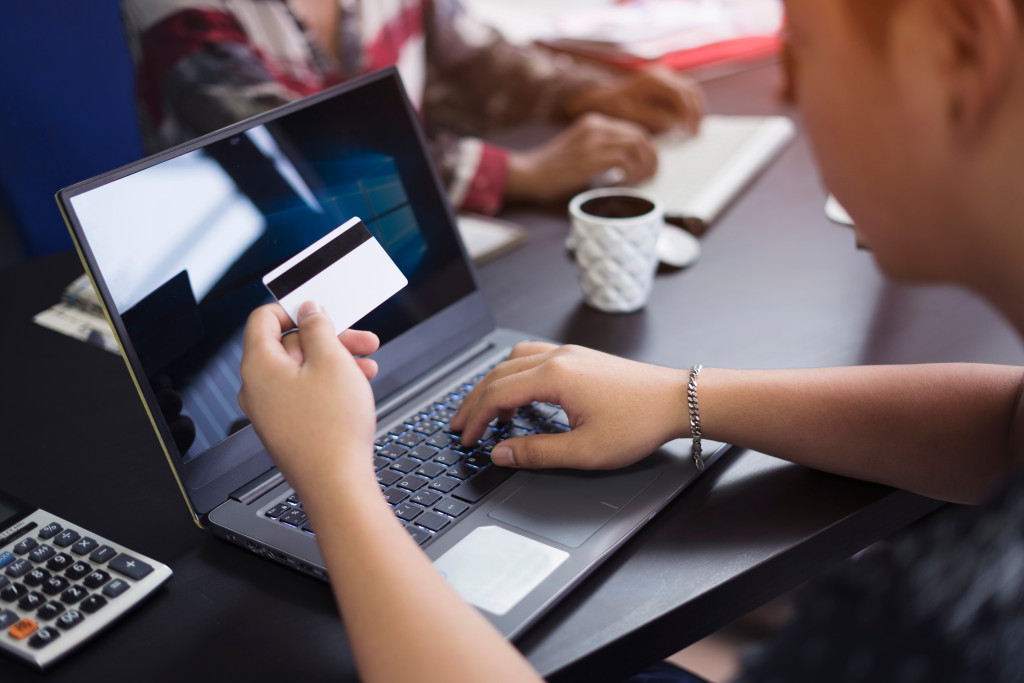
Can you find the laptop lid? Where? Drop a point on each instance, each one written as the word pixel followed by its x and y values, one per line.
pixel 176 245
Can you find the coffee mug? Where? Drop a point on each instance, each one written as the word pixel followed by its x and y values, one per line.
pixel 615 231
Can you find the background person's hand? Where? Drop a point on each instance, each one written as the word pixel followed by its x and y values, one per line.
pixel 620 410
pixel 308 398
pixel 656 98
pixel 568 163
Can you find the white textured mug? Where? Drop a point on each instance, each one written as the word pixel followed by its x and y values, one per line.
pixel 615 233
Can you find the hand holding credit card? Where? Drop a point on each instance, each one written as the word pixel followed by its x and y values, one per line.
pixel 346 271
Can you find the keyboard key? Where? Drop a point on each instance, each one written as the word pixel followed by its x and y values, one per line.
pixel 380 463
pixel 392 451
pixel 448 457
pixel 452 508
pixel 102 554
pixel 116 587
pixel 293 499
pixel 425 497
pixel 70 619
pixel 50 530
pixel 294 517
pixel 49 611
pixel 444 484
pixel 18 568
pixel 408 512
pixel 441 439
pixel 404 465
pixel 59 562
pixel 78 570
pixel 433 521
pixel 388 477
pixel 36 577
pixel 42 553
pixel 84 546
pixel 93 603
pixel 461 471
pixel 483 483
pixel 412 483
pixel 423 452
pixel 478 460
pixel 66 538
pixel 25 545
pixel 395 496
pixel 430 470
pixel 100 577
pixel 13 592
pixel 410 439
pixel 43 637
pixel 73 594
pixel 22 629
pixel 427 427
pixel 129 566
pixel 277 510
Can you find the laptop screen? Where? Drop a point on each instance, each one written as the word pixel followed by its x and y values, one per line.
pixel 180 242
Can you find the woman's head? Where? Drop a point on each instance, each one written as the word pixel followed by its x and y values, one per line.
pixel 908 104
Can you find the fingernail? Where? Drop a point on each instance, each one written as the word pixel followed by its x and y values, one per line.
pixel 307 309
pixel 503 456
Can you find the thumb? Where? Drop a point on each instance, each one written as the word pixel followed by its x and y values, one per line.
pixel 316 331
pixel 540 451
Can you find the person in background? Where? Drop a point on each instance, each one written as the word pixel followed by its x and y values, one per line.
pixel 913 108
pixel 204 64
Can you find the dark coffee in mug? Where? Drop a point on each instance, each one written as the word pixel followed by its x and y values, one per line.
pixel 617 206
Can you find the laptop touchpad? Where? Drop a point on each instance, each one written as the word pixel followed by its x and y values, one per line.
pixel 569 507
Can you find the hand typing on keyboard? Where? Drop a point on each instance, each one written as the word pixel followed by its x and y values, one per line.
pixel 619 410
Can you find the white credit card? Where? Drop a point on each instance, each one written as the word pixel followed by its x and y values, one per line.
pixel 346 271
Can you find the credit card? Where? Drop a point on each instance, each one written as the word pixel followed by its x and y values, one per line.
pixel 346 271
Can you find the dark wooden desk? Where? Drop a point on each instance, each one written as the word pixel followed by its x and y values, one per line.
pixel 777 286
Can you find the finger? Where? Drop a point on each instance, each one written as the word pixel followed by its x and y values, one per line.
pixel 544 450
pixel 291 344
pixel 316 334
pixel 263 331
pixel 360 342
pixel 368 366
pixel 506 394
pixel 530 351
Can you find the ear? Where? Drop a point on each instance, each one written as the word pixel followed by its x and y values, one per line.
pixel 982 39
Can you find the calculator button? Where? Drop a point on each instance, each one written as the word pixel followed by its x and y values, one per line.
pixel 23 546
pixel 23 629
pixel 44 637
pixel 31 601
pixel 70 619
pixel 7 617
pixel 102 554
pixel 42 553
pixel 130 567
pixel 12 592
pixel 19 568
pixel 6 558
pixel 66 538
pixel 55 584
pixel 93 603
pixel 59 562
pixel 36 577
pixel 73 594
pixel 50 530
pixel 49 610
pixel 116 587
pixel 78 570
pixel 96 579
pixel 85 545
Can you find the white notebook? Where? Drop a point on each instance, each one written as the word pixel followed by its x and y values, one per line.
pixel 698 176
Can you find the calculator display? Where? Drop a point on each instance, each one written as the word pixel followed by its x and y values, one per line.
pixel 11 509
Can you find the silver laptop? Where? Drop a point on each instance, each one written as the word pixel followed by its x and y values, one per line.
pixel 176 245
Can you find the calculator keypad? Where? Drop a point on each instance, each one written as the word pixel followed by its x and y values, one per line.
pixel 59 585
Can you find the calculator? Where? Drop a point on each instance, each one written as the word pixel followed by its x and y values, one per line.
pixel 60 585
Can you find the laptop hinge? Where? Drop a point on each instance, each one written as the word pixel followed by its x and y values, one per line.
pixel 258 486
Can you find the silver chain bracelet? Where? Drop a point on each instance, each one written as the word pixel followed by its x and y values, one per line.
pixel 691 402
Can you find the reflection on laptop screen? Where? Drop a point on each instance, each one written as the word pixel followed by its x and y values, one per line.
pixel 182 244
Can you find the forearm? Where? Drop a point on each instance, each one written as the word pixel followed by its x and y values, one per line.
pixel 942 430
pixel 389 593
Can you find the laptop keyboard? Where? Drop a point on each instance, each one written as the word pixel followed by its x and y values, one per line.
pixel 427 476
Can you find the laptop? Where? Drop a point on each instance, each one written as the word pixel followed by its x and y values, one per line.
pixel 176 245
